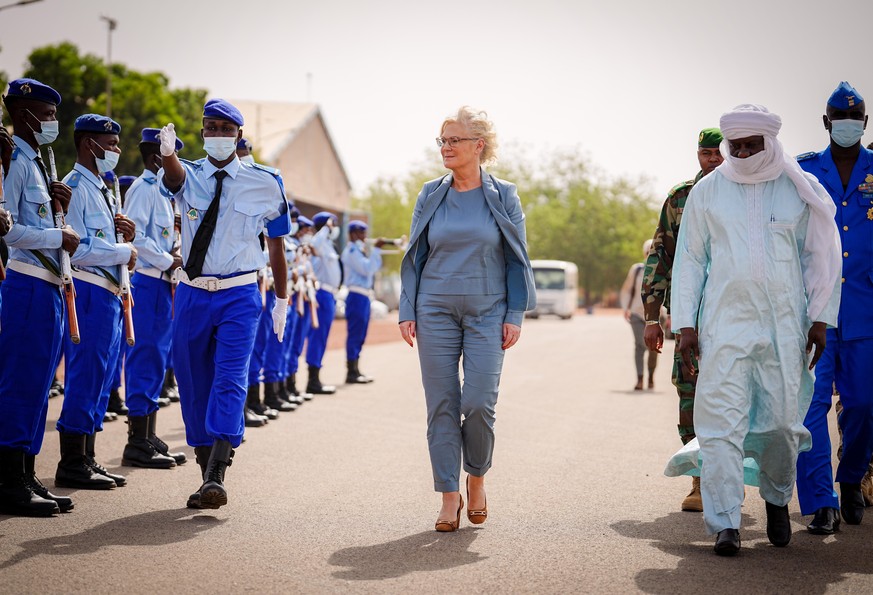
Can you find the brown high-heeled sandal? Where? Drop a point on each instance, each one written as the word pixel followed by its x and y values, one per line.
pixel 447 526
pixel 477 517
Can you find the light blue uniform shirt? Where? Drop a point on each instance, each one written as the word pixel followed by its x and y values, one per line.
pixel 153 214
pixel 252 200
pixel 326 264
pixel 28 200
pixel 359 269
pixel 94 221
pixel 466 248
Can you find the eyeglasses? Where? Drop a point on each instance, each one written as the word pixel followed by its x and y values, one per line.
pixel 452 142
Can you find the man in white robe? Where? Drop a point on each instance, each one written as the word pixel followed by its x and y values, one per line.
pixel 757 271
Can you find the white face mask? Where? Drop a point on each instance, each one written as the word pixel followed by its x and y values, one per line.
pixel 294 228
pixel 306 239
pixel 360 244
pixel 49 132
pixel 847 132
pixel 108 163
pixel 219 147
pixel 247 159
pixel 750 165
pixel 334 233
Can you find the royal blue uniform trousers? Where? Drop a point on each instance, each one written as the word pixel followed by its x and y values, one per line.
pixel 846 364
pixel 147 359
pixel 288 343
pixel 274 352
pixel 301 332
pixel 317 341
pixel 357 321
pixel 31 335
pixel 213 339
pixel 90 365
pixel 265 327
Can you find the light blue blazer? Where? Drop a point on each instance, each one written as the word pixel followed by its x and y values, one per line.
pixel 502 198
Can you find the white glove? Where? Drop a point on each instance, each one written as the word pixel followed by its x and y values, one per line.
pixel 168 139
pixel 280 311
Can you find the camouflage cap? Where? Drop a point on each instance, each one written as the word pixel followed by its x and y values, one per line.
pixel 709 138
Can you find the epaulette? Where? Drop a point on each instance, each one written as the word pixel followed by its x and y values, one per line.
pixel 680 186
pixel 150 180
pixel 270 170
pixel 806 156
pixel 15 153
pixel 198 163
pixel 74 180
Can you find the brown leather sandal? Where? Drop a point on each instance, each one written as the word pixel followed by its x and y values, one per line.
pixel 477 517
pixel 447 526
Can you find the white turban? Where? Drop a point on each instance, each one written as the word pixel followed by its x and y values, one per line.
pixel 822 237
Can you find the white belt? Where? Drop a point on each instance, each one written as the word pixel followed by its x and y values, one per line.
pixel 216 284
pixel 34 271
pixel 156 274
pixel 98 280
pixel 361 290
pixel 329 288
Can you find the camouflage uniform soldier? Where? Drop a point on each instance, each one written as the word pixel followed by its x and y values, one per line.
pixel 656 290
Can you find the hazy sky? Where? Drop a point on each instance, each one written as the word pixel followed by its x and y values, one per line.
pixel 627 83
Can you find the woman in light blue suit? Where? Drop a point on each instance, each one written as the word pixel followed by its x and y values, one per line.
pixel 466 283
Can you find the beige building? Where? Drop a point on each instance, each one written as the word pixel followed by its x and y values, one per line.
pixel 293 137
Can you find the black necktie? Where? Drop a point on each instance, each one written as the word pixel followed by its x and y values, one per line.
pixel 204 233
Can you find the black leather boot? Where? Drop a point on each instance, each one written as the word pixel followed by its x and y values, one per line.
pixel 290 392
pixel 56 389
pixel 201 455
pixel 116 403
pixel 16 495
pixel 64 503
pixel 91 461
pixel 139 451
pixel 291 384
pixel 353 375
pixel 73 468
pixel 315 386
pixel 253 402
pixel 212 492
pixel 179 457
pixel 273 399
pixel 852 503
pixel 170 389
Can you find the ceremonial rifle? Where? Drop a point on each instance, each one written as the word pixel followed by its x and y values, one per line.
pixel 124 279
pixel 66 267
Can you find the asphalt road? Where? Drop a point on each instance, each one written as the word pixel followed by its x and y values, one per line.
pixel 336 497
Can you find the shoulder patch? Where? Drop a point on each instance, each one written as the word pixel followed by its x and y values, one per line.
pixel 15 153
pixel 74 180
pixel 805 156
pixel 150 180
pixel 680 186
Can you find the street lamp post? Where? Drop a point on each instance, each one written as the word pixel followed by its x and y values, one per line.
pixel 111 24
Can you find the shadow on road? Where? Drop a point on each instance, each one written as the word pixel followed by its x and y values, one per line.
pixel 160 527
pixel 420 552
pixel 810 564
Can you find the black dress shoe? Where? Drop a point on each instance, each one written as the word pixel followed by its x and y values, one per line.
pixel 778 525
pixel 852 503
pixel 253 420
pixel 825 522
pixel 727 543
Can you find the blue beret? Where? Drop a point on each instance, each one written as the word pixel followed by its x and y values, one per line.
pixel 153 135
pixel 244 144
pixel 126 180
pixel 321 218
pixel 108 177
pixel 293 213
pixel 358 226
pixel 223 110
pixel 304 222
pixel 844 97
pixel 33 89
pixel 97 124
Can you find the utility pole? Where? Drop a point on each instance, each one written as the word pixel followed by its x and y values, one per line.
pixel 111 23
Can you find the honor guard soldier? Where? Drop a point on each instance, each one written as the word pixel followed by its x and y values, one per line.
pixel 116 406
pixel 32 315
pixel 287 377
pixel 360 271
pixel 217 300
pixel 845 169
pixel 98 262
pixel 157 259
pixel 325 262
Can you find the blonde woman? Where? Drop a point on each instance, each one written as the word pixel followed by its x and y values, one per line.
pixel 466 283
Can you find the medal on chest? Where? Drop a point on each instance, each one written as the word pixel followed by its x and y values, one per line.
pixel 42 211
pixel 100 234
pixel 165 233
pixel 192 214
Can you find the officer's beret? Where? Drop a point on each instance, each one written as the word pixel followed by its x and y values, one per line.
pixel 223 110
pixel 244 143
pixel 358 226
pixel 844 97
pixel 153 135
pixel 126 180
pixel 293 213
pixel 97 124
pixel 304 222
pixel 33 89
pixel 709 138
pixel 322 217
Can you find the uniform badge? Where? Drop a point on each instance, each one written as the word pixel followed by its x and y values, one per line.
pixel 870 213
pixel 42 211
pixel 165 233
pixel 192 214
pixel 869 178
pixel 866 188
pixel 25 89
pixel 108 126
pixel 100 234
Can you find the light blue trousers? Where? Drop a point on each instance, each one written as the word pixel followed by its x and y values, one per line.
pixel 454 330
